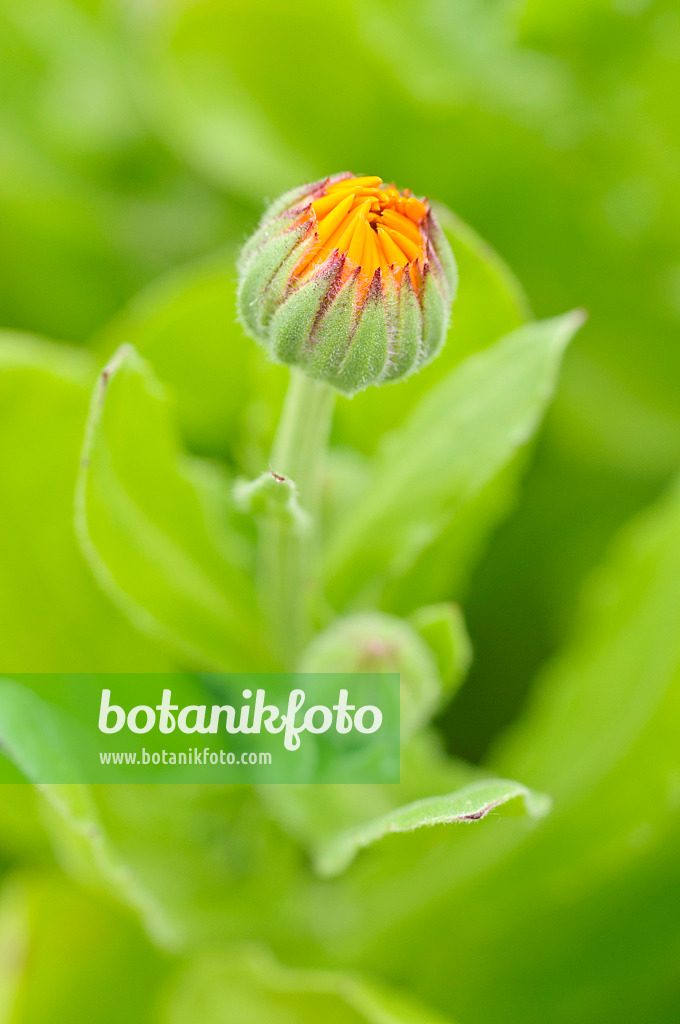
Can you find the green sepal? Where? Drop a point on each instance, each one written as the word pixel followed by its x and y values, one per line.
pixel 257 271
pixel 291 325
pixel 290 200
pixel 446 258
pixel 327 349
pixel 278 289
pixel 406 332
pixel 435 318
pixel 369 348
pixel 265 232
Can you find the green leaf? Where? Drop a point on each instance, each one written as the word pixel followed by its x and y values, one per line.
pixel 227 393
pixel 457 439
pixel 63 954
pixel 601 737
pixel 443 571
pixel 86 848
pixel 155 527
pixel 472 803
pixel 491 301
pixel 13 949
pixel 192 862
pixel 315 816
pixel 598 695
pixel 207 858
pixel 601 733
pixel 36 736
pixel 246 984
pixel 46 589
pixel 442 627
pixel 21 833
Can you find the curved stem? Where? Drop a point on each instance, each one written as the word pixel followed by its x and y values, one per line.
pixel 288 555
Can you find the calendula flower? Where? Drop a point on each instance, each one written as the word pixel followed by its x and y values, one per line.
pixel 349 279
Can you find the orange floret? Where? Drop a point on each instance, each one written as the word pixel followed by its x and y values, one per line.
pixel 375 227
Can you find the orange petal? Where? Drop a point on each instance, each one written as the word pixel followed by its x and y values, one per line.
pixel 415 210
pixel 333 220
pixel 406 245
pixel 343 236
pixel 356 247
pixel 370 259
pixel 402 224
pixel 371 182
pixel 393 253
pixel 323 206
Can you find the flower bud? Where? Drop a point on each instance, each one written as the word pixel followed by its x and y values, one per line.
pixel 350 280
pixel 374 642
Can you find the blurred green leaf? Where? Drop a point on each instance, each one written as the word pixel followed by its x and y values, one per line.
pixel 490 303
pixel 185 326
pixel 38 737
pixel 205 857
pixel 601 735
pixel 444 570
pixel 34 734
pixel 86 849
pixel 472 803
pixel 459 436
pixel 316 815
pixel 248 985
pixel 598 875
pixel 155 526
pixel 22 837
pixel 63 956
pixel 197 84
pixel 46 590
pixel 490 300
pixel 233 143
pixel 227 394
pixel 13 950
pixel 593 701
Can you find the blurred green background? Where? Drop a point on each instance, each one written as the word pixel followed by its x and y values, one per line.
pixel 137 136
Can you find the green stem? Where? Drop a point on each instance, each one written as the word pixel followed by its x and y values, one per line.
pixel 288 555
